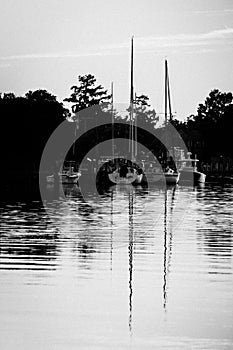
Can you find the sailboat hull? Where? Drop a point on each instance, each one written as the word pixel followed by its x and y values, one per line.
pixel 138 179
pixel 115 178
pixel 65 178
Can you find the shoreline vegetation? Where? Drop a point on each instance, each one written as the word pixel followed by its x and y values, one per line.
pixel 29 120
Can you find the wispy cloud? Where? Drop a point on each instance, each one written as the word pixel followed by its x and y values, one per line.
pixel 49 55
pixel 223 12
pixel 4 65
pixel 204 42
pixel 215 37
pixel 220 33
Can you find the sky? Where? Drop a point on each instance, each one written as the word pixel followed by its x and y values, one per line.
pixel 46 44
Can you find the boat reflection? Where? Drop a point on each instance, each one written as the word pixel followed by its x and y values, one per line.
pixel 169 205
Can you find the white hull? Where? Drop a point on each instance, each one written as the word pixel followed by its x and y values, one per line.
pixel 138 179
pixel 117 179
pixel 65 178
pixel 172 178
pixel 192 175
pixel 189 172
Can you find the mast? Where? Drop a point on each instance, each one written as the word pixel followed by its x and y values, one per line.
pixel 167 105
pixel 170 109
pixel 135 128
pixel 131 73
pixel 166 93
pixel 169 98
pixel 112 121
pixel 165 110
pixel 131 129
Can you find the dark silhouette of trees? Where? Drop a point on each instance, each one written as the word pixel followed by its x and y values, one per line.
pixel 40 96
pixel 87 93
pixel 144 115
pixel 209 132
pixel 26 125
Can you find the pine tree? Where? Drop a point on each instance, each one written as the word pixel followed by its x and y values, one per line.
pixel 87 93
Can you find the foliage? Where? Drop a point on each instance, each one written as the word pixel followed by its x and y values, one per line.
pixel 209 132
pixel 143 114
pixel 87 93
pixel 27 123
pixel 40 96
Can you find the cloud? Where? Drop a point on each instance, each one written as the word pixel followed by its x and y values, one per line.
pixel 49 55
pixel 215 38
pixel 182 40
pixel 220 33
pixel 223 12
pixel 4 65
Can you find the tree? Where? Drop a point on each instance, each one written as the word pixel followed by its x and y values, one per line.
pixel 210 130
pixel 40 96
pixel 8 96
pixel 214 106
pixel 143 114
pixel 87 93
pixel 26 125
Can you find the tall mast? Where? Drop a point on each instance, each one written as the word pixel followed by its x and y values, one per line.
pixel 170 111
pixel 165 109
pixel 135 126
pixel 131 75
pixel 112 120
pixel 169 98
pixel 166 93
pixel 131 138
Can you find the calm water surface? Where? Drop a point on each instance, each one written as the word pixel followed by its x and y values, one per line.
pixel 131 269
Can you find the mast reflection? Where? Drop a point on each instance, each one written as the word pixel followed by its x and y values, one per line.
pixel 130 251
pixel 167 243
pixel 111 231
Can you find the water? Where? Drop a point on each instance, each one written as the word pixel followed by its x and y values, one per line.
pixel 131 269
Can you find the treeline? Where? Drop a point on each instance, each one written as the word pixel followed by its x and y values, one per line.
pixel 209 133
pixel 27 122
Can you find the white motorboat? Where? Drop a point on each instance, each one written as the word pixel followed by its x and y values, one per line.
pixel 189 172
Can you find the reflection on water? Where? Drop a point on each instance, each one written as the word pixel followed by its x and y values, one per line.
pixel 133 268
pixel 131 238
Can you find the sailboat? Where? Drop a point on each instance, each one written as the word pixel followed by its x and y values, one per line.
pixel 128 175
pixel 152 172
pixel 67 175
pixel 171 176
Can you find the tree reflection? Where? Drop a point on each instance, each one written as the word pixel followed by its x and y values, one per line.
pixel 214 224
pixel 28 241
